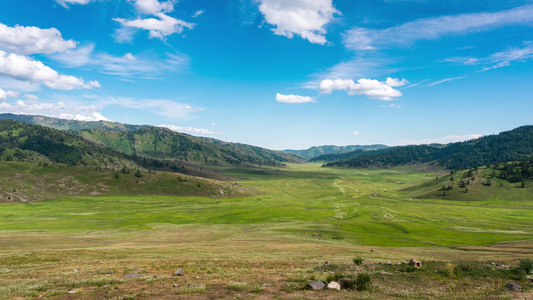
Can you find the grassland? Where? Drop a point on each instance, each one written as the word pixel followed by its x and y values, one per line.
pixel 269 245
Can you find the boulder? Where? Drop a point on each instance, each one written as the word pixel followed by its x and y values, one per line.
pixel 334 286
pixel 179 272
pixel 317 285
pixel 414 262
pixel 511 286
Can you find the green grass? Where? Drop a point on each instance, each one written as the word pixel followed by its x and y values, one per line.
pixel 300 217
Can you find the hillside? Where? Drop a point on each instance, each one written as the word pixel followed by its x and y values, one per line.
pixel 63 124
pixel 30 182
pixel 162 143
pixel 314 152
pixel 508 146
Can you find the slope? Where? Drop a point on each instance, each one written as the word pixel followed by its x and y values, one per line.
pixel 316 151
pixel 508 146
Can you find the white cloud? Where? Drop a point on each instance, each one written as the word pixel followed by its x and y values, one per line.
pixel 356 132
pixel 395 82
pixel 505 58
pixel 198 13
pixel 441 140
pixel 369 87
pixel 31 97
pixel 31 40
pixel 306 18
pixel 445 80
pixel 293 99
pixel 128 65
pixel 433 28
pixel 65 3
pixel 8 94
pixel 152 7
pixel 190 130
pixel 25 69
pixel 95 116
pixel 164 107
pixel 158 28
pixel 58 109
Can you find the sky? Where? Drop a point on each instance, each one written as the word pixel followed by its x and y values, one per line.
pixel 279 74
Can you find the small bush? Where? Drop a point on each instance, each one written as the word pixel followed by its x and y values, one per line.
pixel 363 282
pixel 357 260
pixel 525 265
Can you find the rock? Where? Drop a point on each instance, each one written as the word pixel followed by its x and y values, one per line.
pixel 175 285
pixel 267 284
pixel 414 262
pixel 389 263
pixel 72 291
pixel 75 270
pixel 371 250
pixel 111 272
pixel 511 286
pixel 132 275
pixel 317 285
pixel 334 286
pixel 179 272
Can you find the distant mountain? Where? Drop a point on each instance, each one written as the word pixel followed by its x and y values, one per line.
pixel 148 142
pixel 508 146
pixel 63 124
pixel 314 152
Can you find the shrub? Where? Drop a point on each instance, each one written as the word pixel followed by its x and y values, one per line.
pixel 525 265
pixel 357 260
pixel 363 282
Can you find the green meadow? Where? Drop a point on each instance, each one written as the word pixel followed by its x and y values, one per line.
pixel 297 218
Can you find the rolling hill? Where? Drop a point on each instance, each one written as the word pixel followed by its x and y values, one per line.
pixel 161 144
pixel 508 146
pixel 314 152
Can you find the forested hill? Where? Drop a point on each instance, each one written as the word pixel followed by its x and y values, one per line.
pixel 63 124
pixel 513 145
pixel 162 143
pixel 314 152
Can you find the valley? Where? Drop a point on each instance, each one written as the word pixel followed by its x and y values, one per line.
pixel 269 243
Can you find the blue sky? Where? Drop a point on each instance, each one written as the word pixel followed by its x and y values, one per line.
pixel 278 74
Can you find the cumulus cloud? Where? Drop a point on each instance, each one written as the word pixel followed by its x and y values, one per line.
pixel 31 40
pixel 394 82
pixel 293 99
pixel 159 28
pixel 306 18
pixel 369 87
pixel 190 130
pixel 57 109
pixel 441 140
pixel 95 116
pixel 7 94
pixel 152 7
pixel 26 69
pixel 128 65
pixel 356 132
pixel 433 28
